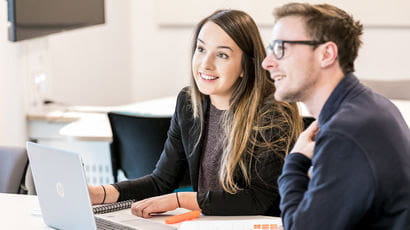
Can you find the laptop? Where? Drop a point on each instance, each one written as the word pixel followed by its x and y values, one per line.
pixel 62 192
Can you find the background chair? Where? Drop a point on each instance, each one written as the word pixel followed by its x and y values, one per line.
pixel 137 143
pixel 13 165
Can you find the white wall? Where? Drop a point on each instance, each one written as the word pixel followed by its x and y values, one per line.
pixel 12 114
pixel 160 56
pixel 91 66
pixel 187 12
pixel 160 49
pixel 384 55
pixel 144 59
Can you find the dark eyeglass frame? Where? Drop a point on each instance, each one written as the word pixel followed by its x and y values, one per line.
pixel 272 45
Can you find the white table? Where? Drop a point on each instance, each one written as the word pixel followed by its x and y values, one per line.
pixel 16 212
pixel 94 125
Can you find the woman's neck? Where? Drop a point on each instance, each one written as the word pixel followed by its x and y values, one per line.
pixel 220 102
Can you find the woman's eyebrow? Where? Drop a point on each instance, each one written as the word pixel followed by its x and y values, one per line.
pixel 225 47
pixel 219 47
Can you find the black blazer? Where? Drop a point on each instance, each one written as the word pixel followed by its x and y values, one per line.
pixel 261 197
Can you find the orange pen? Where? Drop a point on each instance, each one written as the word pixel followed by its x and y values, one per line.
pixel 182 217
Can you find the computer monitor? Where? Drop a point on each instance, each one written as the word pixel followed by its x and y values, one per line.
pixel 36 18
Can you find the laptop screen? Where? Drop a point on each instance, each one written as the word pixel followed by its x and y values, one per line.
pixel 61 187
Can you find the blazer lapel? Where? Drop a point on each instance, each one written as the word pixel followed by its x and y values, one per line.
pixel 197 152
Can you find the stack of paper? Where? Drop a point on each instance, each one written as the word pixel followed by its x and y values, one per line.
pixel 255 224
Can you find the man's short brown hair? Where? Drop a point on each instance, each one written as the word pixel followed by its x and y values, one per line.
pixel 328 23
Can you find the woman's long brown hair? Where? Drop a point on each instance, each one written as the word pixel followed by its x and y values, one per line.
pixel 253 112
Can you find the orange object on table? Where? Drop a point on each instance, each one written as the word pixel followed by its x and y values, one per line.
pixel 182 217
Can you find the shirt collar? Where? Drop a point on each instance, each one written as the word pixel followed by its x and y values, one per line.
pixel 338 95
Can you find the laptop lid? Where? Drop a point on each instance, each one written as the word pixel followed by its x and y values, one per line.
pixel 61 187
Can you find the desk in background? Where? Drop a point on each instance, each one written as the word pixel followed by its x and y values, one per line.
pixel 16 212
pixel 96 127
pixel 86 130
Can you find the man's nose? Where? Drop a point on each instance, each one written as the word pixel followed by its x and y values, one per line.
pixel 269 62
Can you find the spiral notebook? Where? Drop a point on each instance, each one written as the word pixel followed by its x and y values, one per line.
pixel 106 208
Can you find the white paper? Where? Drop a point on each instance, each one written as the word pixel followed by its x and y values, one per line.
pixel 255 224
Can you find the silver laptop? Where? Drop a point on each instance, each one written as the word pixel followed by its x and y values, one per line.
pixel 62 191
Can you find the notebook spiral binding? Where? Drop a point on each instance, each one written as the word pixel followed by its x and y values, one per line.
pixel 106 208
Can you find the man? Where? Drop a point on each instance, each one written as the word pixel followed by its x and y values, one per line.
pixel 351 168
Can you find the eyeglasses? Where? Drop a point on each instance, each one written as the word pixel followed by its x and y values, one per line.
pixel 278 46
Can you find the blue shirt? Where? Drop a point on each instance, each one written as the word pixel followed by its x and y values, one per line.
pixel 361 166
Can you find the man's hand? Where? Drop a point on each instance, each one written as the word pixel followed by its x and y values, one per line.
pixel 306 141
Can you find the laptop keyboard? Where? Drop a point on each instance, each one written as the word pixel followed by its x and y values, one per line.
pixel 136 224
pixel 104 224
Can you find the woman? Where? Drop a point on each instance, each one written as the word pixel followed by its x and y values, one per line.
pixel 227 129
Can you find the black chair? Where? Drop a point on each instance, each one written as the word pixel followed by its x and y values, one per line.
pixel 137 143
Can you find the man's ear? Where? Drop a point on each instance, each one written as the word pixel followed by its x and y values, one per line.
pixel 328 54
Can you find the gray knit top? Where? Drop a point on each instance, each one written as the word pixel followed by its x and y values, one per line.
pixel 212 152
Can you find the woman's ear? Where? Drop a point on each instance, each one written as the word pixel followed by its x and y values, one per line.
pixel 328 54
pixel 241 75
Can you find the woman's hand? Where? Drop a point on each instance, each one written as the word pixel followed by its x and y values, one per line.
pixel 168 202
pixel 96 193
pixel 157 204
